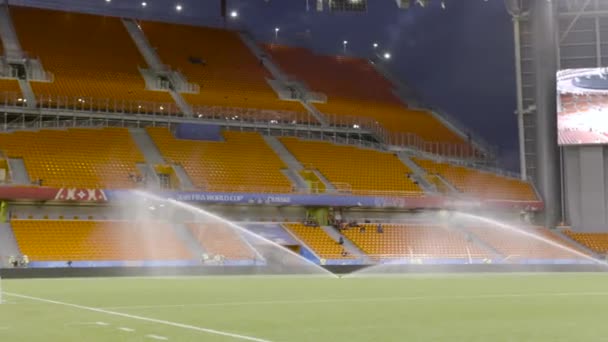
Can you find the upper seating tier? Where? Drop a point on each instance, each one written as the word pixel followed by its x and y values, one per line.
pixel 354 88
pixel 228 73
pixel 9 91
pixel 92 57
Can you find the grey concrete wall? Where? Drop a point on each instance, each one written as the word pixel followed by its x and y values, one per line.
pixel 586 187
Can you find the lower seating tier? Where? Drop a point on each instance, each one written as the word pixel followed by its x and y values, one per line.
pixel 220 239
pixel 413 241
pixel 320 242
pixel 63 240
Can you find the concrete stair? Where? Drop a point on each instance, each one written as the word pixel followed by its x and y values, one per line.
pixel 281 80
pixel 470 235
pixel 348 245
pixel 152 179
pixel 8 35
pixel 158 69
pixel 294 166
pixel 18 172
pixel 146 145
pixel 28 93
pixel 144 47
pixel 185 235
pixel 418 174
pixel 182 176
pixel 8 244
pixel 328 185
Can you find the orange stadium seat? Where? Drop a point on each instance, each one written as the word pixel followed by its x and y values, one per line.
pixel 54 240
pixel 597 242
pixel 9 91
pixel 218 239
pixel 515 246
pixel 227 72
pixel 362 171
pixel 414 241
pixel 317 239
pixel 92 58
pixel 354 88
pixel 243 162
pixel 482 184
pixel 81 158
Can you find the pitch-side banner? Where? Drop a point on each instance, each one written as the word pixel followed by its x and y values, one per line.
pixel 331 200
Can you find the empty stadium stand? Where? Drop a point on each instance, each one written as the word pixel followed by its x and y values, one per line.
pixel 78 158
pixel 514 246
pixel 59 240
pixel 414 240
pixel 317 239
pixel 481 184
pixel 348 168
pixel 597 242
pixel 228 73
pixel 219 239
pixel 10 93
pixel 354 88
pixel 93 58
pixel 243 162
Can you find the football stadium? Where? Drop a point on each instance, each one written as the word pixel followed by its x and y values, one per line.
pixel 273 170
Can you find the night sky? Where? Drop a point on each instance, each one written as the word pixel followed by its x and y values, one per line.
pixel 459 59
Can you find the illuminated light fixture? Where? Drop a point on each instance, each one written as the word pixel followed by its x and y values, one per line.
pixel 387 55
pixel 178 7
pixel 442 4
pixel 108 0
pixel 144 4
pixel 234 14
pixel 375 45
pixel 355 126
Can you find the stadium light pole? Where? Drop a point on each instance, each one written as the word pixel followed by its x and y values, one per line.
pixel 276 33
pixel 344 44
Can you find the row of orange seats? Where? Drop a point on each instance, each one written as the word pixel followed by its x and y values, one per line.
pixel 90 56
pixel 52 240
pixel 243 162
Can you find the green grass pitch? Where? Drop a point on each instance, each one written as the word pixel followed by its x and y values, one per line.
pixel 475 307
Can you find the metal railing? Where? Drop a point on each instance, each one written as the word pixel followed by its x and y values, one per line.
pixel 354 126
pixel 94 105
pixel 253 115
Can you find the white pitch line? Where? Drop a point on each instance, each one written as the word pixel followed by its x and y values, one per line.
pixel 103 324
pixel 141 318
pixel 80 323
pixel 364 300
pixel 126 329
pixel 156 337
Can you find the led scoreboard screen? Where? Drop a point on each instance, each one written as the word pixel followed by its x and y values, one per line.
pixel 582 106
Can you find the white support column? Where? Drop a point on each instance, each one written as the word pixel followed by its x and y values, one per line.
pixel 520 100
pixel 598 39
